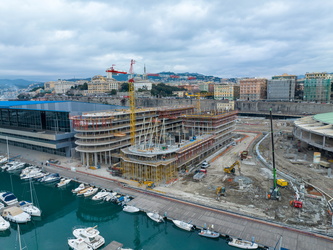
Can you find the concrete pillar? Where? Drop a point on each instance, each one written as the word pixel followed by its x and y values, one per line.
pixel 82 158
pixel 95 158
pixel 87 159
pixel 324 141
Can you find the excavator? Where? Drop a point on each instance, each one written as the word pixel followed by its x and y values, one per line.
pixel 220 191
pixel 231 169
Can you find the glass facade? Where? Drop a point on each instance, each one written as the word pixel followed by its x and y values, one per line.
pixel 35 119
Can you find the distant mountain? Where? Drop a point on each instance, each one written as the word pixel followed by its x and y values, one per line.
pixel 19 83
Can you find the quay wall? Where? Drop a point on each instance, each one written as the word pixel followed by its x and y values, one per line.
pixel 208 104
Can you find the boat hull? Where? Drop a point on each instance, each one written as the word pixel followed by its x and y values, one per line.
pixel 243 244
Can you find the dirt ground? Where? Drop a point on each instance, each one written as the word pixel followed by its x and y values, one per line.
pixel 251 197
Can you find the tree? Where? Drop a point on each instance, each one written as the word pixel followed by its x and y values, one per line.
pixel 124 87
pixel 162 89
pixel 113 92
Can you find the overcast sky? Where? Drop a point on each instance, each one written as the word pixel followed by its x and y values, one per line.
pixel 59 39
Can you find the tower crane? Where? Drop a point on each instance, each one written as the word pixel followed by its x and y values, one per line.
pixel 110 71
pixel 198 96
pixel 132 103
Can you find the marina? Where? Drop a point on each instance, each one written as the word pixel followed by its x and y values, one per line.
pixel 89 211
pixel 63 211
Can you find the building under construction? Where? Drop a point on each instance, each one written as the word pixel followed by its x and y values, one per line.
pixel 167 140
pixel 164 153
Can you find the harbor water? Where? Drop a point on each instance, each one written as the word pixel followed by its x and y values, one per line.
pixel 62 211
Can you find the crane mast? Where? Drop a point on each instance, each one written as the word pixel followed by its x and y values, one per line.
pixel 132 104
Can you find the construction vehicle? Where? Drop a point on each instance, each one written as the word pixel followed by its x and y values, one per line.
pixel 244 154
pixel 296 203
pixel 149 184
pixel 231 169
pixel 274 192
pixel 282 183
pixel 219 191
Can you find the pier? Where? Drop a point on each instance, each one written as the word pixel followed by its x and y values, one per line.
pixel 265 233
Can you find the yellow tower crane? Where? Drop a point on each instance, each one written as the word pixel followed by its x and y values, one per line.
pixel 131 91
pixel 198 96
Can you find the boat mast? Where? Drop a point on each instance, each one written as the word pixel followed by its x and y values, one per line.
pixel 19 236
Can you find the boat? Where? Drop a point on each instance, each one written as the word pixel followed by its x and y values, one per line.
pixel 39 176
pixel 111 197
pixel 50 178
pixel 243 244
pixel 183 225
pixel 208 233
pixel 100 195
pixel 3 160
pixel 1 205
pixel 33 173
pixel 155 216
pixel 79 244
pixel 130 209
pixel 16 214
pixel 82 191
pixel 29 208
pixel 90 235
pixel 90 191
pixel 79 188
pixel 8 198
pixel 4 225
pixel 17 165
pixel 63 182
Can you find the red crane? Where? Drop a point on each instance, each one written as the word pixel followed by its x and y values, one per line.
pixel 113 71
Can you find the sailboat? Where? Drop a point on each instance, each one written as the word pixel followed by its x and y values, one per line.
pixel 28 207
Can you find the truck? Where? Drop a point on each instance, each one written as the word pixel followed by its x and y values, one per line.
pixel 199 176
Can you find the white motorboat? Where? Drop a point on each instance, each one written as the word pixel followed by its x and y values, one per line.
pixel 183 225
pixel 9 165
pixel 243 244
pixel 16 214
pixel 208 233
pixel 130 209
pixel 155 216
pixel 8 198
pixel 90 235
pixel 3 160
pixel 40 175
pixel 111 197
pixel 79 244
pixel 17 165
pixel 100 195
pixel 4 225
pixel 50 178
pixel 63 182
pixel 1 205
pixel 30 174
pixel 29 208
pixel 79 188
pixel 90 191
pixel 82 191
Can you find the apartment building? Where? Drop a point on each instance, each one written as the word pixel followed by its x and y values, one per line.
pixel 226 91
pixel 101 85
pixel 253 89
pixel 281 89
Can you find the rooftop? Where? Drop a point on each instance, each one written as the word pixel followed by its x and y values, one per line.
pixel 60 106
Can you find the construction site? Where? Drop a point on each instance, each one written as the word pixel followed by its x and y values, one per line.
pixel 211 157
pixel 240 178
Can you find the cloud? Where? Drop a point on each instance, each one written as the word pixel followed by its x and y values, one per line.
pixel 66 38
